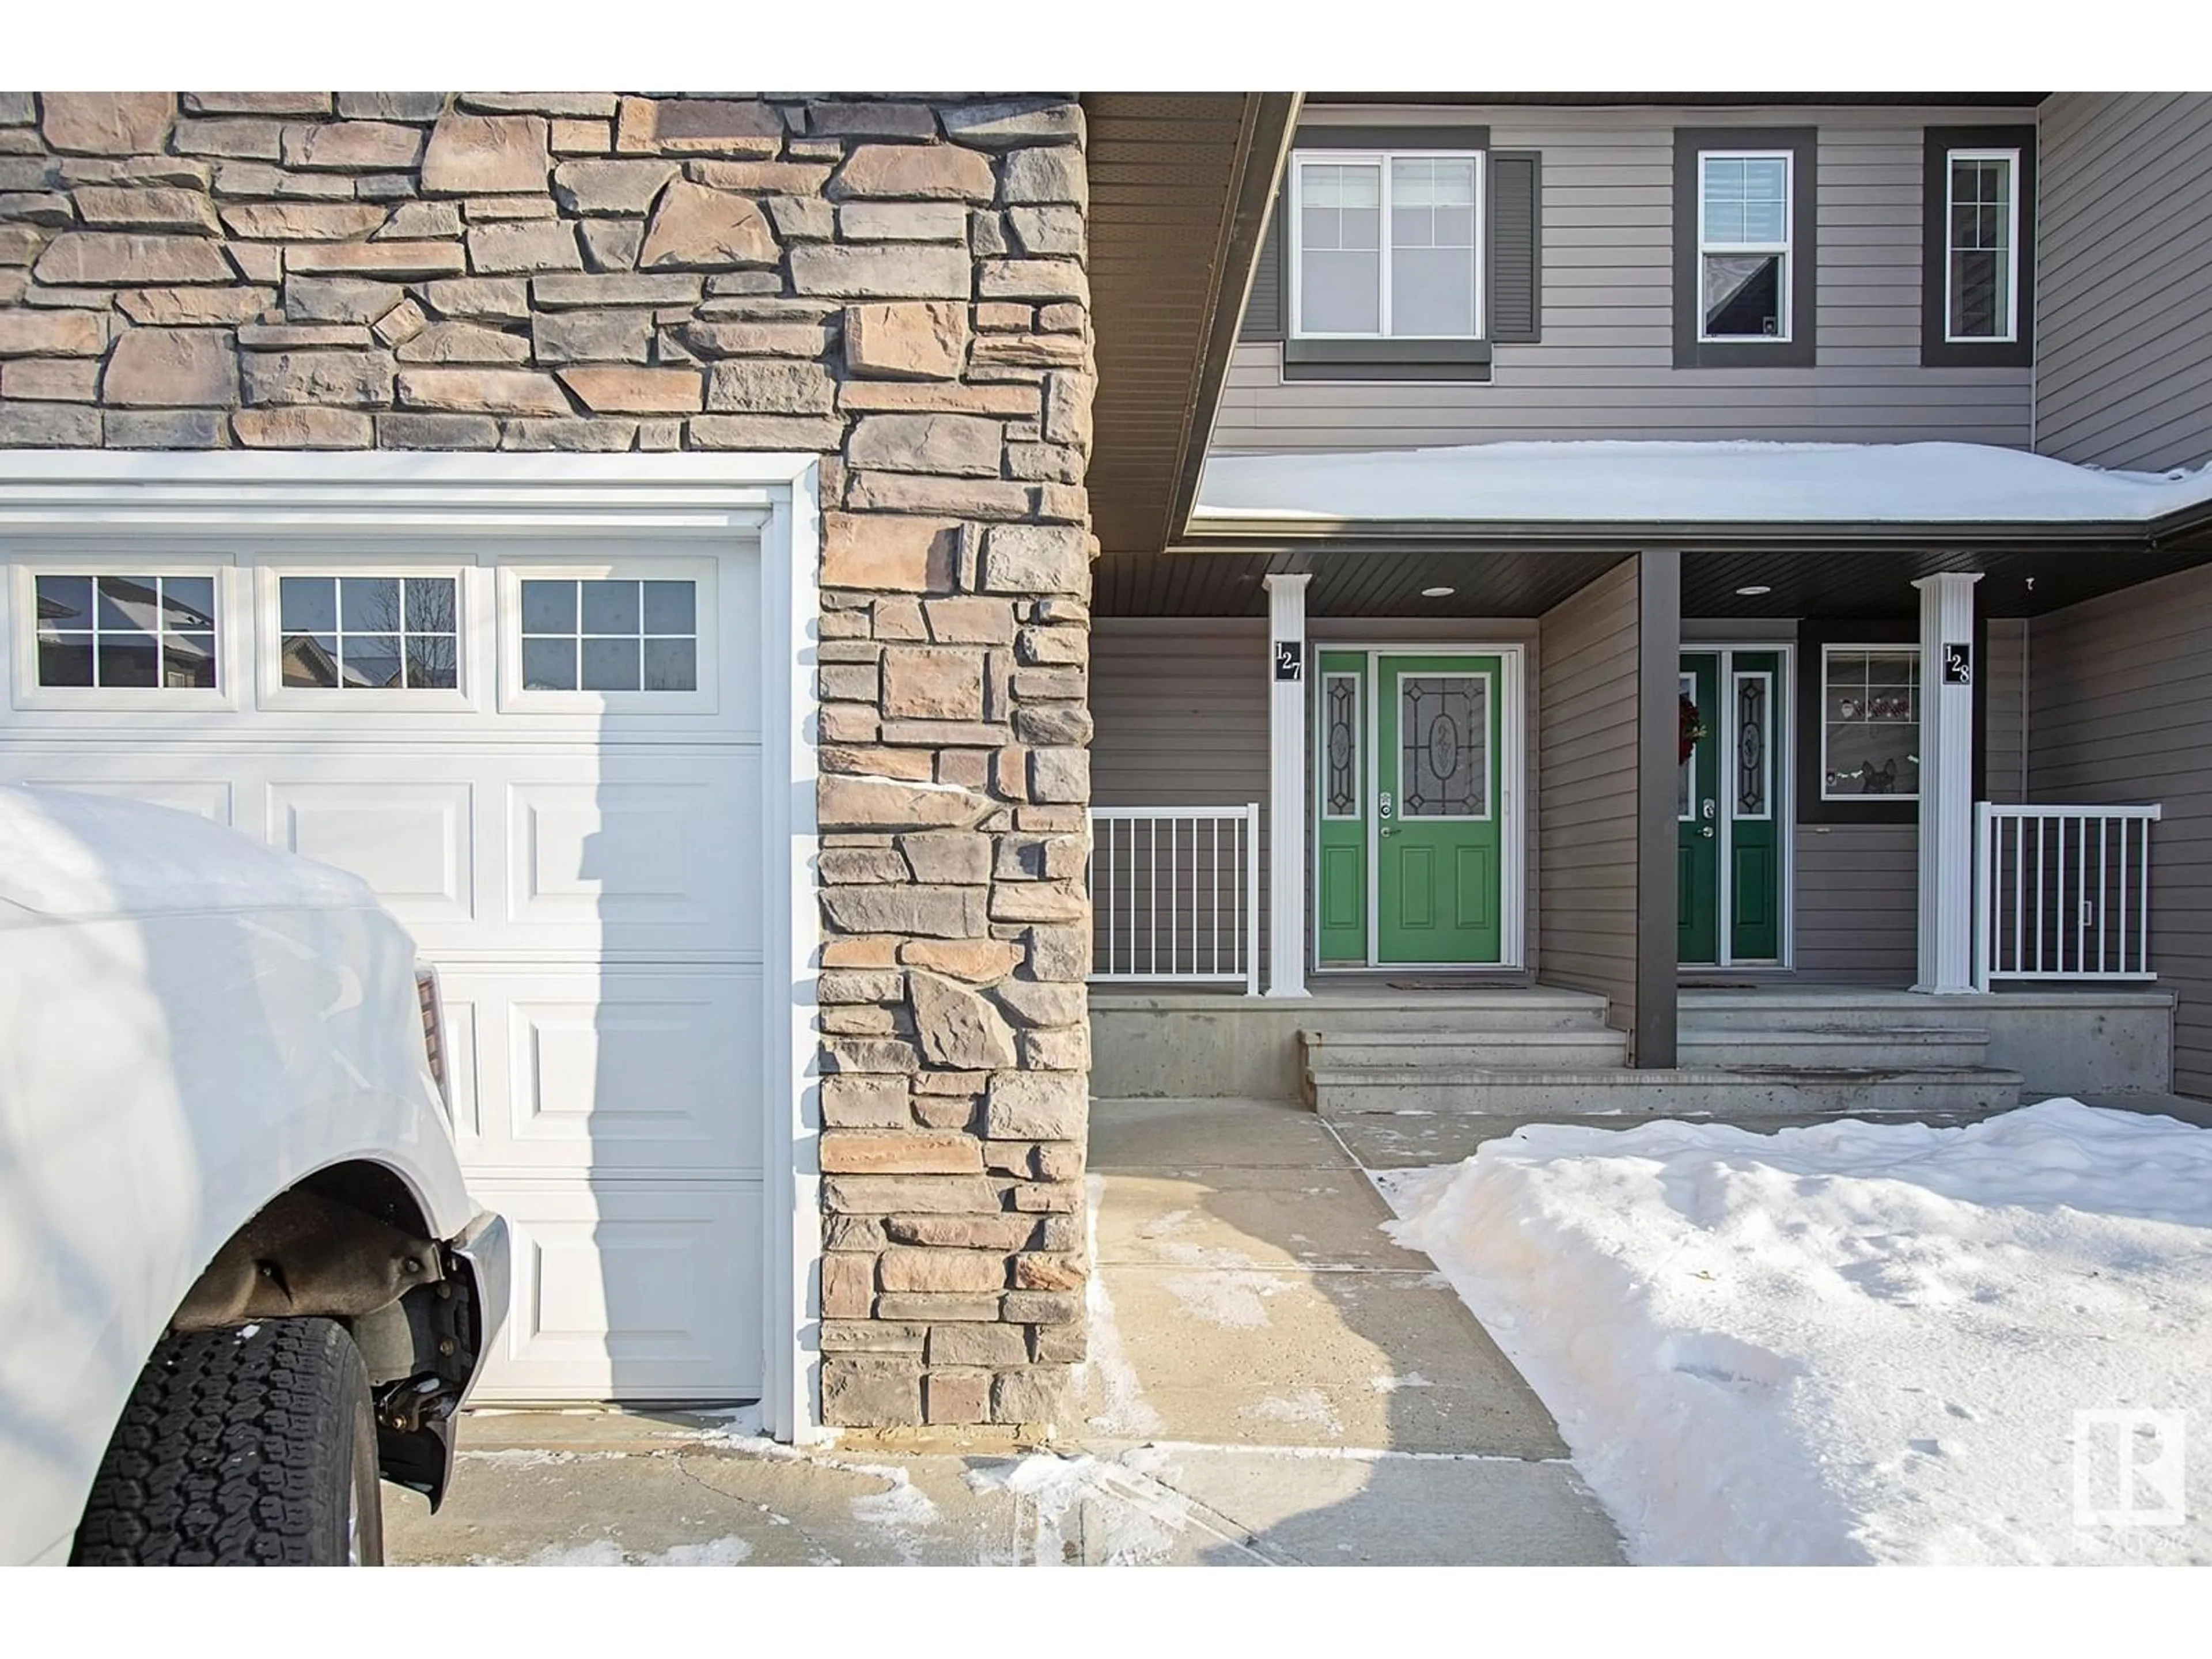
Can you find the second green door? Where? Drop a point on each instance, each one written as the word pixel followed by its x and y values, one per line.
pixel 1438 875
pixel 1729 823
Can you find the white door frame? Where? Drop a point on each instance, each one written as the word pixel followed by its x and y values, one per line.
pixel 711 498
pixel 1784 763
pixel 1513 851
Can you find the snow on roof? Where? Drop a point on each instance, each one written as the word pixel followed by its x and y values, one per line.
pixel 1720 482
pixel 67 853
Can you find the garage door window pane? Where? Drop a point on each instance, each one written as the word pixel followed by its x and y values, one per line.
pixel 548 664
pixel 144 633
pixel 610 634
pixel 371 633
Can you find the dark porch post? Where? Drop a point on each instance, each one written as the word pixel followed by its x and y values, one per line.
pixel 1659 639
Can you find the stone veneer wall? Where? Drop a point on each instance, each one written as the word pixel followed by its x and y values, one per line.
pixel 897 283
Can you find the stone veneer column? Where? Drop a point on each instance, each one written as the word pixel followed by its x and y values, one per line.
pixel 895 282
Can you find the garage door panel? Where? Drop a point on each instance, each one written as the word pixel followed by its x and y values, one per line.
pixel 655 852
pixel 614 1068
pixel 413 842
pixel 629 1290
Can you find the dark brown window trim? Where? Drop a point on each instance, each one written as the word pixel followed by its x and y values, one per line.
pixel 1468 361
pixel 1801 350
pixel 1814 633
pixel 1936 351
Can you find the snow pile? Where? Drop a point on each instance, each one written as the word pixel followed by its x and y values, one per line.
pixel 1692 482
pixel 1854 1342
pixel 1079 1511
pixel 605 1552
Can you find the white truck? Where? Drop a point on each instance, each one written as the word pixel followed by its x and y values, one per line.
pixel 240 1277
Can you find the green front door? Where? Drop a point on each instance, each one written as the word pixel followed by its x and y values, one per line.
pixel 1439 864
pixel 1697 809
pixel 1729 823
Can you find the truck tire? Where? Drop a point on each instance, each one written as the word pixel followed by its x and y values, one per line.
pixel 249 1447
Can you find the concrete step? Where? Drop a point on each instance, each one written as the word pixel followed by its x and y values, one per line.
pixel 1919 1047
pixel 1583 1046
pixel 1725 1092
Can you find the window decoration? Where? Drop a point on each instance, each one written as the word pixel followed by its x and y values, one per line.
pixel 153 632
pixel 1444 743
pixel 1340 745
pixel 1690 725
pixel 1753 766
pixel 1982 257
pixel 1870 722
pixel 1385 245
pixel 364 633
pixel 1743 245
pixel 610 635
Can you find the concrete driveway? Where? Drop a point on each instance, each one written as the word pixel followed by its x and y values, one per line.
pixel 1271 1382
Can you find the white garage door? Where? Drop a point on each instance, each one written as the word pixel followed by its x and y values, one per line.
pixel 549 764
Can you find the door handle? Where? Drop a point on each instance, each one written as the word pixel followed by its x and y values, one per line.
pixel 1707 832
pixel 1386 829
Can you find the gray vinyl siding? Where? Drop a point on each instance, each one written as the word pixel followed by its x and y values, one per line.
pixel 2004 691
pixel 1858 897
pixel 1604 367
pixel 1180 712
pixel 2121 711
pixel 1586 792
pixel 2123 310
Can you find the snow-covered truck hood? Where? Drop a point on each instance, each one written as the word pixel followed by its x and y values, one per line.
pixel 190 1024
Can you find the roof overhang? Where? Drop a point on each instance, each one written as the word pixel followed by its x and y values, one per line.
pixel 1180 187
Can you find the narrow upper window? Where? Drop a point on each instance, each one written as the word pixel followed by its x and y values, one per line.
pixel 153 633
pixel 1386 246
pixel 1981 286
pixel 1744 254
pixel 388 633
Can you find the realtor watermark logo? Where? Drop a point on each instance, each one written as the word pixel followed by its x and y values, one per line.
pixel 2127 1468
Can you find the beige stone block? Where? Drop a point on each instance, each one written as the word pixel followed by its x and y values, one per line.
pixel 694 227
pixel 611 187
pixel 463 343
pixel 100 258
pixel 938 172
pixel 525 247
pixel 152 209
pixel 1038 901
pixel 962 1232
pixel 903 221
pixel 770 386
pixel 302 429
pixel 859 952
pixel 1035 1106
pixel 175 307
pixel 932 1306
pixel 258 103
pixel 960 445
pixel 771 432
pixel 921 339
pixel 1060 775
pixel 393 261
pixel 978 961
pixel 958 1027
pixel 927 912
pixel 1059 1345
pixel 1033 1003
pixel 871 1336
pixel 572 135
pixel 915 1151
pixel 105 122
pixel 486 155
pixel 955 1397
pixel 634 391
pixel 495 391
pixel 171 369
pixel 968 1273
pixel 1044 174
pixel 702 126
pixel 965 498
pixel 597 434
pixel 848 1286
pixel 857 1102
pixel 883 270
pixel 26 333
pixel 910 1194
pixel 870 1391
pixel 883 551
pixel 352 146
pixel 932 684
pixel 1038 1395
pixel 51 379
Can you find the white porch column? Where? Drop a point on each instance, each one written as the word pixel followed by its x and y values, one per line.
pixel 1947 783
pixel 1286 786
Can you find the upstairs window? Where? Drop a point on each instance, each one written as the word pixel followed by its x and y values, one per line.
pixel 1385 246
pixel 1744 250
pixel 1978 247
pixel 1981 285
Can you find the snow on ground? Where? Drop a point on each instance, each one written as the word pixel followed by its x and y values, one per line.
pixel 1618 482
pixel 605 1552
pixel 1855 1341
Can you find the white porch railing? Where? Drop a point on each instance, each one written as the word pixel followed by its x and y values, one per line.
pixel 2064 892
pixel 1175 895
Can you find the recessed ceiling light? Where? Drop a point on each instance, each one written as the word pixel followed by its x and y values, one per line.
pixel 1754 590
pixel 1438 593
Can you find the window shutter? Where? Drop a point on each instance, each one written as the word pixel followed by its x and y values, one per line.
pixel 1263 313
pixel 1516 247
